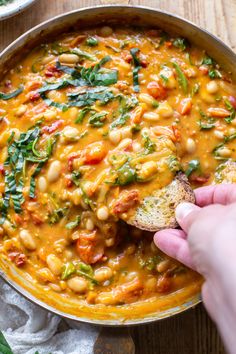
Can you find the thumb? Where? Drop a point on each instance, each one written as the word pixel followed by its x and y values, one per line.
pixel 185 214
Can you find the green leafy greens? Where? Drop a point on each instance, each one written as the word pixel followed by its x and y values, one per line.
pixel 20 153
pixel 8 96
pixel 137 67
pixel 183 82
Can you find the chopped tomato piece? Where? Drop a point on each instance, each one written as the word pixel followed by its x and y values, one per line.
pixel 33 96
pixel 199 179
pixel 18 258
pixel 168 44
pixel 156 90
pixel 204 69
pixel 53 127
pixel 127 57
pixel 2 169
pixel 126 201
pixel 218 112
pixel 232 100
pixel 136 115
pixel 90 246
pixel 95 153
pixel 163 284
pixel 176 132
pixel 185 106
pixel 52 71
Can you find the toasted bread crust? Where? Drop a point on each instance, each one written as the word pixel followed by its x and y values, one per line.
pixel 157 212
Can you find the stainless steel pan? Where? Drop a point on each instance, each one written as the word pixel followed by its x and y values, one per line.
pixel 135 15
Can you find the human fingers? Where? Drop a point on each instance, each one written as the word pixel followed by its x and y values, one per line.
pixel 217 194
pixel 173 243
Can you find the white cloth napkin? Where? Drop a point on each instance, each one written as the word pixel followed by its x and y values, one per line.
pixel 28 328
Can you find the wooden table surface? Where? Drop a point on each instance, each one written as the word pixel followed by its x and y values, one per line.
pixel 192 332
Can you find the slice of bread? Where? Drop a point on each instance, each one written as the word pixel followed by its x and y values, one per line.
pixel 157 211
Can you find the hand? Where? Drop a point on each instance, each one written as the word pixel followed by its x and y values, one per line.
pixel 207 243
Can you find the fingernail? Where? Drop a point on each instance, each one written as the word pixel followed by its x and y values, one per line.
pixel 183 209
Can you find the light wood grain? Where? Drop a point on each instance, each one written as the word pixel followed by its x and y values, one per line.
pixel 192 332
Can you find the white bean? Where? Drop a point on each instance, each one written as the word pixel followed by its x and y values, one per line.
pixel 190 146
pixel 78 284
pixel 103 213
pixel 165 110
pixel 27 240
pixel 21 110
pixel 224 152
pixel 54 171
pixel 152 116
pixel 212 87
pixel 49 115
pixel 89 225
pixel 42 184
pixel 54 264
pixel 219 134
pixel 136 146
pixel 102 274
pixel 146 98
pixel 70 133
pixel 68 58
pixel 115 136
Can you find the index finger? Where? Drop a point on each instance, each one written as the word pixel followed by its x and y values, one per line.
pixel 217 194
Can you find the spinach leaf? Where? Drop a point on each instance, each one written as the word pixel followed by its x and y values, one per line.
pixel 125 175
pixel 67 270
pixel 89 97
pixel 180 43
pixel 193 165
pixel 92 41
pixel 82 114
pixel 57 215
pixel 75 176
pixel 206 123
pixel 4 346
pixel 62 106
pixel 183 82
pixel 208 61
pixel 229 106
pixel 149 145
pixel 73 224
pixel 126 104
pixel 8 96
pixel 214 74
pixel 84 54
pixel 86 271
pixel 20 152
pixel 97 119
pixel 137 67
